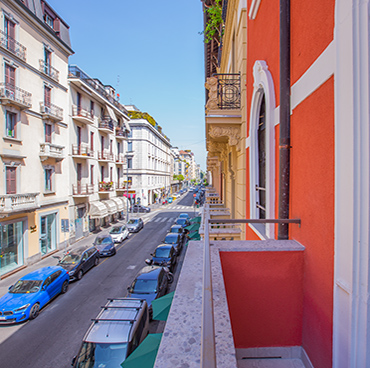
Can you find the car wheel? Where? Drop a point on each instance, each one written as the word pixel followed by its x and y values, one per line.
pixel 79 275
pixel 34 312
pixel 170 278
pixel 114 252
pixel 96 262
pixel 64 287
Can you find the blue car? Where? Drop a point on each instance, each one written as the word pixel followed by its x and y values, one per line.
pixel 31 293
pixel 105 245
pixel 165 255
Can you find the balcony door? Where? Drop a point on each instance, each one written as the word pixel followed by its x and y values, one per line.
pixel 11 180
pixel 9 28
pixel 79 177
pixel 9 81
pixel 47 96
pixel 48 233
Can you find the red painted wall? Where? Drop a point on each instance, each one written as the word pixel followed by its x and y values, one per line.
pixel 266 304
pixel 312 200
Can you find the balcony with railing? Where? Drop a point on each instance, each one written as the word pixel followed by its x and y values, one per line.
pixel 236 293
pixel 82 115
pixel 51 112
pixel 82 190
pixel 106 125
pixel 105 156
pixel 12 46
pixel 49 70
pixel 122 186
pixel 121 133
pixel 82 151
pixel 74 72
pixel 106 187
pixel 50 150
pixel 15 96
pixel 121 159
pixel 11 203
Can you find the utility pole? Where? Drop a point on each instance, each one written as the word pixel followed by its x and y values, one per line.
pixel 127 189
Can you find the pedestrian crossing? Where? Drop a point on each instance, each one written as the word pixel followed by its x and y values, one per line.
pixel 184 208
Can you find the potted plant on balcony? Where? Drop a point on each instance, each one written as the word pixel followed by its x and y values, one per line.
pixel 105 186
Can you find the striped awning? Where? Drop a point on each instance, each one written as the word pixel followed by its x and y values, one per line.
pixel 118 203
pixel 111 206
pixel 97 210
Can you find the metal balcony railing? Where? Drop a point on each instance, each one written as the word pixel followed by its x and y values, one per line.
pixel 82 150
pixel 106 124
pixel 75 72
pixel 18 202
pixel 49 70
pixel 121 133
pixel 12 45
pixel 78 111
pixel 13 93
pixel 105 156
pixel 53 111
pixel 228 91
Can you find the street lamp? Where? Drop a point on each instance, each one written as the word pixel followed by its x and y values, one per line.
pixel 127 200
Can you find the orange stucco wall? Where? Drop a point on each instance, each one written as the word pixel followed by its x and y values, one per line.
pixel 312 200
pixel 266 305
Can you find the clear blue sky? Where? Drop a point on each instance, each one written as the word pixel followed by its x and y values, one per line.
pixel 151 53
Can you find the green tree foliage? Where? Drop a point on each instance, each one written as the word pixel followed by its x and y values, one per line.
pixel 214 23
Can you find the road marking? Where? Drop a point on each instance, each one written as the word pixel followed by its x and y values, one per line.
pixel 131 267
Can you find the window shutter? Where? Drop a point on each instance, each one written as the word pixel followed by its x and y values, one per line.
pixel 11 180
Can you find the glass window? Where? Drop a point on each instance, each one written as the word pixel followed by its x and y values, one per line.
pixel 129 163
pixel 49 21
pixel 48 233
pixel 129 146
pixel 10 124
pixel 48 180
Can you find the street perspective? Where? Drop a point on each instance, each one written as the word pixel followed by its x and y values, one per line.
pixel 185 184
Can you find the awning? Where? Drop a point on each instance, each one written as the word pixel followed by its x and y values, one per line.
pixel 97 210
pixel 194 236
pixel 126 202
pixel 111 113
pixel 162 306
pixel 196 219
pixel 193 227
pixel 118 203
pixel 111 206
pixel 145 354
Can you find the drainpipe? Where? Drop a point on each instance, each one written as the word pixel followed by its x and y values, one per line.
pixel 284 142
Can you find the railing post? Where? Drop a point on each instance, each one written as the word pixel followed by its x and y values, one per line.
pixel 208 352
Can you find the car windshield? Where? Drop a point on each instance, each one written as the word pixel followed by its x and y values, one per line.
pixel 94 355
pixel 162 252
pixel 171 239
pixel 26 287
pixel 144 286
pixel 181 221
pixel 99 241
pixel 183 215
pixel 175 229
pixel 116 230
pixel 132 221
pixel 70 258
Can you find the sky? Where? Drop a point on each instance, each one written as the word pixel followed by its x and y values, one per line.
pixel 151 52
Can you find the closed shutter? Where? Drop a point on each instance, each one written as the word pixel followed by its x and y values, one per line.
pixel 10 78
pixel 47 96
pixel 11 179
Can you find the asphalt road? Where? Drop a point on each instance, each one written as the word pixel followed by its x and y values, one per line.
pixel 53 339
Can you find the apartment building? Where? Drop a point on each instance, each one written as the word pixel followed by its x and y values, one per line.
pixel 34 51
pixel 148 159
pixel 98 131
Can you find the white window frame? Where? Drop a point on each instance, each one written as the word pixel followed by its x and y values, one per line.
pixel 263 85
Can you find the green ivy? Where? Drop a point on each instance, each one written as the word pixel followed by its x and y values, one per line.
pixel 214 23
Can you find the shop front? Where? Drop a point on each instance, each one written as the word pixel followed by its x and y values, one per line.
pixel 48 233
pixel 11 246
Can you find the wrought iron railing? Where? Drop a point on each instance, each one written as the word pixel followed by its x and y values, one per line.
pixel 52 110
pixel 15 94
pixel 121 133
pixel 49 70
pixel 12 45
pixel 85 113
pixel 75 72
pixel 82 189
pixel 228 91
pixel 106 123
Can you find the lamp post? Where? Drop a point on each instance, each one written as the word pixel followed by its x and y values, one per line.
pixel 127 189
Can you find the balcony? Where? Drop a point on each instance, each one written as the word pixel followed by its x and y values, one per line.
pixel 51 112
pixel 263 281
pixel 121 133
pixel 82 115
pixel 11 203
pixel 121 159
pixel 14 96
pixel 122 186
pixel 13 46
pixel 82 190
pixel 106 187
pixel 106 125
pixel 49 150
pixel 105 156
pixel 48 70
pixel 82 151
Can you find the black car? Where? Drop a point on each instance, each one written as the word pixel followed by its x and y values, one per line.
pixel 165 255
pixel 78 261
pixel 135 225
pixel 175 240
pixel 178 229
pixel 105 245
pixel 139 208
pixel 151 283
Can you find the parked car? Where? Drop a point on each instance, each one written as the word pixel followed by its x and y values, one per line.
pixel 139 208
pixel 31 293
pixel 184 215
pixel 165 255
pixel 151 283
pixel 135 225
pixel 114 334
pixel 78 261
pixel 119 233
pixel 170 200
pixel 178 229
pixel 175 239
pixel 105 245
pixel 182 221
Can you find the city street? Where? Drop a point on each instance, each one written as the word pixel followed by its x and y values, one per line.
pixel 55 336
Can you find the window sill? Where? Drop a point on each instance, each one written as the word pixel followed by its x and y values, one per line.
pixel 49 192
pixel 14 140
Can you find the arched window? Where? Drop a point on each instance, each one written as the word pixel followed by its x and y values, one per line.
pixel 261 179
